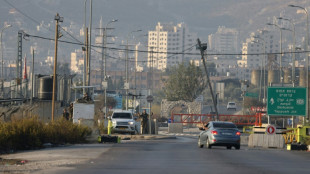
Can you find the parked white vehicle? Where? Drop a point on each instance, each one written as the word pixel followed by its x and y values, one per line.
pixel 123 121
pixel 231 105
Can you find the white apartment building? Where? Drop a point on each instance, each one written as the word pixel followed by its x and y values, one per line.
pixel 225 40
pixel 77 61
pixel 253 49
pixel 167 43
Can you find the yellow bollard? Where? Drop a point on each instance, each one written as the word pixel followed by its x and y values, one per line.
pixel 109 126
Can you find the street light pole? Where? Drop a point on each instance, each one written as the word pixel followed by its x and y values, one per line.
pixel 307 62
pixel 281 77
pixel 84 52
pixel 89 45
pixel 2 74
pixel 294 47
pixel 5 27
pixel 127 83
pixel 104 51
pixel 262 69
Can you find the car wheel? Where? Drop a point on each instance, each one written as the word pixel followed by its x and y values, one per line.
pixel 199 144
pixel 208 144
pixel 237 147
pixel 228 147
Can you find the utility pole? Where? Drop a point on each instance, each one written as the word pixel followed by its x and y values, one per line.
pixel 32 77
pixel 126 81
pixel 89 45
pixel 151 93
pixel 202 48
pixel 57 19
pixel 19 64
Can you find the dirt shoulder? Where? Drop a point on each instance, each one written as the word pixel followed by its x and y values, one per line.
pixel 39 160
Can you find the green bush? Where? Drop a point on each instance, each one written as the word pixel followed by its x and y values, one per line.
pixel 30 133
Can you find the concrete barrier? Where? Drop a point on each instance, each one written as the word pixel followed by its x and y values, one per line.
pixel 244 139
pixel 266 141
pixel 175 128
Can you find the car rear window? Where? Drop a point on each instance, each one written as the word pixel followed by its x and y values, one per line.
pixel 224 125
pixel 231 103
pixel 122 115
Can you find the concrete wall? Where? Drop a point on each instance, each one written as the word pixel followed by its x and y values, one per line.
pixel 167 106
pixel 266 141
pixel 41 109
pixel 175 128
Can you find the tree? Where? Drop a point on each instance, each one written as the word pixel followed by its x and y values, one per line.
pixel 186 82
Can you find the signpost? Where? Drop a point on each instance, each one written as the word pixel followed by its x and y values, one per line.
pixel 286 101
pixel 149 98
pixel 254 95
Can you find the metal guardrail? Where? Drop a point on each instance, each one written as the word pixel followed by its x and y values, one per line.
pixel 205 118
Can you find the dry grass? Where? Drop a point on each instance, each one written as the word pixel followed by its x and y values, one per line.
pixel 31 133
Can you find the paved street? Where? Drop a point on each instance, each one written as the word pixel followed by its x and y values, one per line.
pixel 182 155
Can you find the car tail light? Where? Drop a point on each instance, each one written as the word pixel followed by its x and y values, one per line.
pixel 238 133
pixel 214 132
pixel 214 140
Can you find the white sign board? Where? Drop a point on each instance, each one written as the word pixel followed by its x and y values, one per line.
pixel 83 111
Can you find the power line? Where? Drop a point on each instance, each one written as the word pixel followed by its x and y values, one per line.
pixel 29 17
pixel 74 38
pixel 168 53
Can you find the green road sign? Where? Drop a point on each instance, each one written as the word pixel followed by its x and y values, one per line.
pixel 248 94
pixel 283 101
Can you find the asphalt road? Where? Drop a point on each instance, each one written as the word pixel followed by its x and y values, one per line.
pixel 182 155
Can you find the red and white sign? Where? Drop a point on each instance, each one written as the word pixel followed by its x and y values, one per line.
pixel 270 129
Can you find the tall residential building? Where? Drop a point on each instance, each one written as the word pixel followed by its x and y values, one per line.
pixel 225 40
pixel 253 49
pixel 77 61
pixel 167 43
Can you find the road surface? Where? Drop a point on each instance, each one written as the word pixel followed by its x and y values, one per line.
pixel 182 155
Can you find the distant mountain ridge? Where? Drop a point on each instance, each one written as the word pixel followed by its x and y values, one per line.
pixel 201 16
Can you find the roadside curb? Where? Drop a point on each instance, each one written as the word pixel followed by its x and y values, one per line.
pixel 146 137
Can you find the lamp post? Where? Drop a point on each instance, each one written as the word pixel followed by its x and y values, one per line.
pixel 2 75
pixel 104 75
pixel 263 65
pixel 294 45
pixel 307 48
pixel 281 77
pixel 127 83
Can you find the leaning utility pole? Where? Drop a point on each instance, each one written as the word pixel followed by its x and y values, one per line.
pixel 202 48
pixel 57 19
